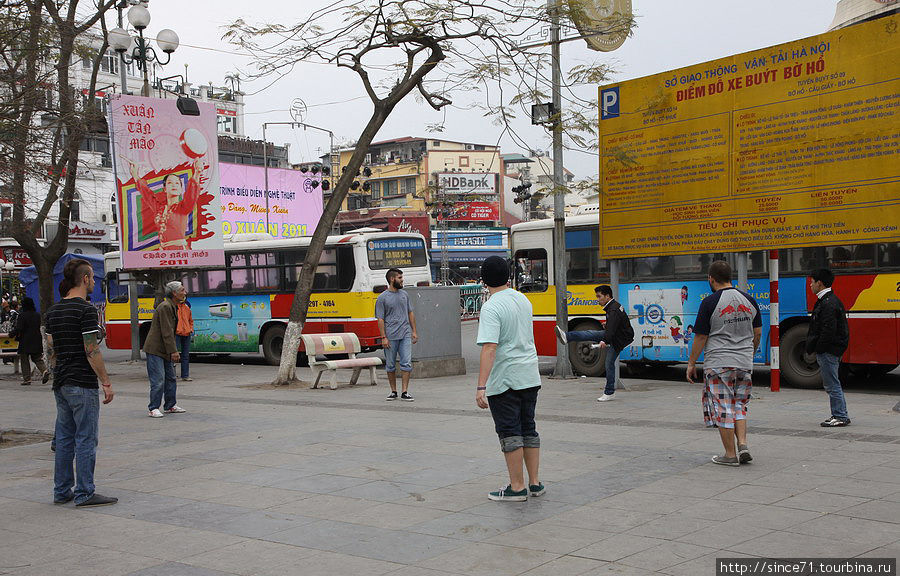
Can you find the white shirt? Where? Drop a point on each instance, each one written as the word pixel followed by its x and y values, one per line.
pixel 819 295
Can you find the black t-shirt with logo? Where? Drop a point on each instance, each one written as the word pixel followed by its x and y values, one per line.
pixel 67 322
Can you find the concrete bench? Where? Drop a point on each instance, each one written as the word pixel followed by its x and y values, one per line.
pixel 345 343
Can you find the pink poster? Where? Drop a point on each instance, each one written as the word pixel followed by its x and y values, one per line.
pixel 167 176
pixel 293 207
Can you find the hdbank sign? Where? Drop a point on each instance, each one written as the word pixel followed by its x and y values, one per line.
pixel 472 183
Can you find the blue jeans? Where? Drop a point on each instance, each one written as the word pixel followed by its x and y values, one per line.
pixel 513 413
pixel 183 345
pixel 162 381
pixel 612 354
pixel 828 364
pixel 77 424
pixel 400 353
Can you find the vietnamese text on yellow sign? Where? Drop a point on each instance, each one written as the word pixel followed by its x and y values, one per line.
pixel 793 145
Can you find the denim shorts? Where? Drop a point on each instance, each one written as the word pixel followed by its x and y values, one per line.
pixel 400 353
pixel 513 413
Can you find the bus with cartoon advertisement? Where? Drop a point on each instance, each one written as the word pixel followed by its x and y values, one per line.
pixel 243 307
pixel 662 295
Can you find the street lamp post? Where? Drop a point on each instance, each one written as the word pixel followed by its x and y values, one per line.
pixel 143 54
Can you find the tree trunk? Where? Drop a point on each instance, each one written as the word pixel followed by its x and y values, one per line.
pixel 44 270
pixel 300 305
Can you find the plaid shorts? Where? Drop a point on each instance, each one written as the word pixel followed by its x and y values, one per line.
pixel 726 396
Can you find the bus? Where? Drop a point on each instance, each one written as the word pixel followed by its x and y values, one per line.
pixel 244 306
pixel 662 295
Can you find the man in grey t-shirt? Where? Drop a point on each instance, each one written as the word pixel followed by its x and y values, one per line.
pixel 397 325
pixel 729 326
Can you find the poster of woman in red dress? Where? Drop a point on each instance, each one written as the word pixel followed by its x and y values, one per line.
pixel 167 212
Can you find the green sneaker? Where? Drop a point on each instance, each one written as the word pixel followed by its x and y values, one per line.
pixel 509 495
pixel 536 489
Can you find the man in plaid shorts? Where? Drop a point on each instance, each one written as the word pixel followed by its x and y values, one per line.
pixel 729 327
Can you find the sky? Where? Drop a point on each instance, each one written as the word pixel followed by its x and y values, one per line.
pixel 670 34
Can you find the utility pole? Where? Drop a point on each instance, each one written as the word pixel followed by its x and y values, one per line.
pixel 563 368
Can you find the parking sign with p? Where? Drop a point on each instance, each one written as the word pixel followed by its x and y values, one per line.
pixel 609 103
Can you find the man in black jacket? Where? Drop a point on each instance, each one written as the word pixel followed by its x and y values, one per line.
pixel 828 337
pixel 617 335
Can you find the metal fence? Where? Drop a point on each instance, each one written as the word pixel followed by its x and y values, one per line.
pixel 471 297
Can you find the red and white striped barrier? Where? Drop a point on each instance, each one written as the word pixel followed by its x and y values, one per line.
pixel 775 374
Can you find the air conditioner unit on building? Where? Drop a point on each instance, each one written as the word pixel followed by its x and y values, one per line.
pixel 470 146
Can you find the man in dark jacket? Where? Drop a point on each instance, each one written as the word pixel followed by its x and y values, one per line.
pixel 617 334
pixel 828 337
pixel 162 353
pixel 31 345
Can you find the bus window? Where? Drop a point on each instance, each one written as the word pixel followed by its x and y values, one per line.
pixel 850 257
pixel 889 255
pixel 531 270
pixel 400 253
pixel 115 293
pixel 758 262
pixel 191 281
pixel 216 282
pixel 653 267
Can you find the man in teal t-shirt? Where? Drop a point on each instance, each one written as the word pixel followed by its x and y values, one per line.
pixel 508 379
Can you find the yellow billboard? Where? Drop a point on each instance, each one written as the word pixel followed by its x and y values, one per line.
pixel 793 145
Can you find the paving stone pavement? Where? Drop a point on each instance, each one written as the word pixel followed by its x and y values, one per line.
pixel 261 481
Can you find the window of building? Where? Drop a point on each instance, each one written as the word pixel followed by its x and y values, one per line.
pixel 226 124
pixel 390 188
pixel 435 143
pixel 409 186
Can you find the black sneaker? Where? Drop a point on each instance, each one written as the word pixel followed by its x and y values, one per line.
pixel 835 422
pixel 406 397
pixel 537 489
pixel 99 500
pixel 744 454
pixel 65 500
pixel 392 396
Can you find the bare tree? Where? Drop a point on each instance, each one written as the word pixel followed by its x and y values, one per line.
pixel 43 119
pixel 430 48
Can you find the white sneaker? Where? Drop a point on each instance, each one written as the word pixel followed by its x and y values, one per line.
pixel 606 398
pixel 176 409
pixel 155 413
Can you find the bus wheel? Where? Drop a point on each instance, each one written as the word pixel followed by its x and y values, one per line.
pixel 799 368
pixel 584 359
pixel 272 342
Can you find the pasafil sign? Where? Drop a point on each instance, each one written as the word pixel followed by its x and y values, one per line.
pixel 468 183
pixel 294 204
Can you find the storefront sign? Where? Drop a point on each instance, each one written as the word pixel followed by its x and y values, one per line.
pixel 474 211
pixel 471 239
pixel 97 233
pixel 17 256
pixel 294 201
pixel 167 176
pixel 468 183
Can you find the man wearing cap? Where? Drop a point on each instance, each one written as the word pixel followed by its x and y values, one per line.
pixel 162 352
pixel 508 380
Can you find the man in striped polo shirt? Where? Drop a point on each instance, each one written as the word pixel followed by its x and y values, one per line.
pixel 73 337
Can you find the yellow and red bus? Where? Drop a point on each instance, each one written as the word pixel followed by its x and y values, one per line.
pixel 244 306
pixel 662 294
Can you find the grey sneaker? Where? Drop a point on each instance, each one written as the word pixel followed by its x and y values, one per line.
pixel 98 500
pixel 726 461
pixel 744 454
pixel 560 335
